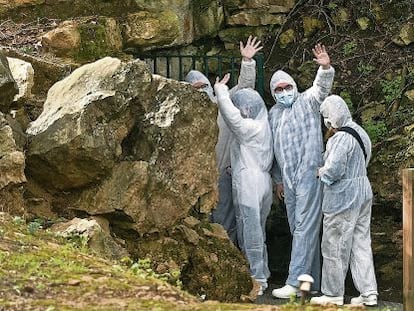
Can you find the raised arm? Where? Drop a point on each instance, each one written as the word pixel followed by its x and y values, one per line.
pixel 322 84
pixel 247 77
pixel 242 128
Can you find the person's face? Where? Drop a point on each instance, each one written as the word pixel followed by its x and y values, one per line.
pixel 283 87
pixel 199 85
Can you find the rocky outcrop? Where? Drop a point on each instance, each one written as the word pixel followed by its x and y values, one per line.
pixel 116 142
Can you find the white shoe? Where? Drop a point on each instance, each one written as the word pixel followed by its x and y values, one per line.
pixel 324 300
pixel 285 291
pixel 370 300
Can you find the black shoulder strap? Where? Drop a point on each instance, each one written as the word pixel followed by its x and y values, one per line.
pixel 354 133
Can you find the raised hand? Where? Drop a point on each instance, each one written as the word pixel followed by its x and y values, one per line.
pixel 223 81
pixel 321 56
pixel 250 49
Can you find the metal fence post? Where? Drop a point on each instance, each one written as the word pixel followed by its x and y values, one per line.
pixel 260 73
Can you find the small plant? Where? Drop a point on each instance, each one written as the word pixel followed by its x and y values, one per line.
pixel 365 69
pixel 349 48
pixel 376 130
pixel 34 226
pixel 332 6
pixel 143 269
pixel 391 89
pixel 346 96
pixel 17 220
pixel 79 241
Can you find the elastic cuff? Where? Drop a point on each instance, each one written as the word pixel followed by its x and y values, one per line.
pixel 251 62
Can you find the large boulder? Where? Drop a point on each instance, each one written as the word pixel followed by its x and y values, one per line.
pixel 166 152
pixel 77 138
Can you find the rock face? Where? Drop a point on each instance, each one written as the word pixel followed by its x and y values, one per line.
pixel 138 150
pixel 145 29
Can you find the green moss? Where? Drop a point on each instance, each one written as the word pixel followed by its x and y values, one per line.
pixel 286 38
pixel 311 25
pixel 93 42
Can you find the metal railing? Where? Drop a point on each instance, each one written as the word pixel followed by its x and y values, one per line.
pixel 177 66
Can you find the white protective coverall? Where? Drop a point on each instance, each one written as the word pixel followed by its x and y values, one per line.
pixel 298 147
pixel 251 158
pixel 346 205
pixel 225 213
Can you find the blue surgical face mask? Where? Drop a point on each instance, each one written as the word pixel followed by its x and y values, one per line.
pixel 285 98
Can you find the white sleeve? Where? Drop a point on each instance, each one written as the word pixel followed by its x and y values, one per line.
pixel 243 129
pixel 337 159
pixel 321 88
pixel 247 77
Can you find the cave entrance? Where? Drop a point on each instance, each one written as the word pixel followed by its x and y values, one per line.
pixel 176 66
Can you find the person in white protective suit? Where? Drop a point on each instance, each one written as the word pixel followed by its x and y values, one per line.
pixel 225 213
pixel 251 152
pixel 346 207
pixel 298 147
